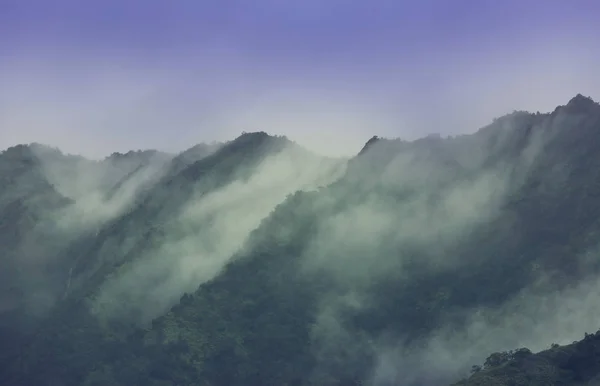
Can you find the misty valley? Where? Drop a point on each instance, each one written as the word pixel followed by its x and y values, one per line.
pixel 461 260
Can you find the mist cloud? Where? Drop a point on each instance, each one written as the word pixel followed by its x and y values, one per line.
pixel 434 201
pixel 530 319
pixel 223 220
pixel 100 190
pixel 442 204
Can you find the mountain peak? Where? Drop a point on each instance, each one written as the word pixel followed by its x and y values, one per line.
pixel 579 98
pixel 22 152
pixel 580 104
pixel 369 143
pixel 254 136
pixel 257 138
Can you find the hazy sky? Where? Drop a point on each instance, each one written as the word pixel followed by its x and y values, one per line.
pixel 96 76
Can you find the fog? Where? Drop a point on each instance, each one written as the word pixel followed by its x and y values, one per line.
pixel 223 219
pixel 103 78
pixel 371 240
pixel 529 319
pixel 101 190
pixel 424 196
pixel 68 197
pixel 443 198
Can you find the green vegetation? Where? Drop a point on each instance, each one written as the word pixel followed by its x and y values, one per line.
pixel 422 258
pixel 575 364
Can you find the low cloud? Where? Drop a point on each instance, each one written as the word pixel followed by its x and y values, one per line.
pixel 425 202
pixel 222 221
pixel 100 190
pixel 418 199
pixel 530 319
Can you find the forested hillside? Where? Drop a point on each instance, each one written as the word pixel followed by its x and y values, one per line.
pixel 257 262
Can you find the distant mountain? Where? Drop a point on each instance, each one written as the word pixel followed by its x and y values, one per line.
pixel 256 262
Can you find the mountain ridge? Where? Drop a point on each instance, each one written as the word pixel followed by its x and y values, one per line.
pixel 262 263
pixel 577 103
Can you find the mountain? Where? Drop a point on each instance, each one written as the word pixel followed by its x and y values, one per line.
pixel 574 364
pixel 47 201
pixel 27 201
pixel 178 212
pixel 256 262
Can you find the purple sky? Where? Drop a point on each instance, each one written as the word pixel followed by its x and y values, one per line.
pixel 96 76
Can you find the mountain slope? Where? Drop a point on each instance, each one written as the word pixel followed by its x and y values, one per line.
pixel 351 292
pixel 263 265
pixel 576 364
pixel 180 214
pixel 190 220
pixel 49 199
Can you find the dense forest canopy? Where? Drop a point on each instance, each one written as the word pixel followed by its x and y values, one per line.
pixel 258 262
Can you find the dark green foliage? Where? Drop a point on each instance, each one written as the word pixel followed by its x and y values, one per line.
pixel 278 313
pixel 576 364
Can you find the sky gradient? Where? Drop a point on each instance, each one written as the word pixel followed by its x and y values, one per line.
pixel 93 77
